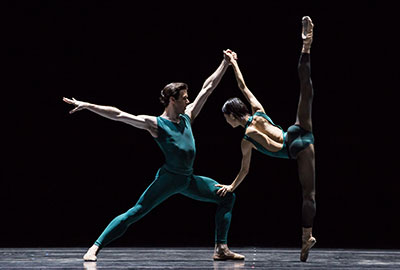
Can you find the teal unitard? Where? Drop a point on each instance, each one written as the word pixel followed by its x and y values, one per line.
pixel 295 139
pixel 175 177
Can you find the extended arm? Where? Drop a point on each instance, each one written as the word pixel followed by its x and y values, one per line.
pixel 244 169
pixel 145 122
pixel 255 105
pixel 209 85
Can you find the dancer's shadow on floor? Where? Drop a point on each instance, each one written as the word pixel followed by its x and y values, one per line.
pixel 233 265
pixel 90 265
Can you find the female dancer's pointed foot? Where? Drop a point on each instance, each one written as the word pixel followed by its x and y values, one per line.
pixel 307 33
pixel 91 254
pixel 308 241
pixel 307 29
pixel 222 253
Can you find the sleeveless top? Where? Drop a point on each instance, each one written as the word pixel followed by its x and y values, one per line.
pixel 282 153
pixel 177 143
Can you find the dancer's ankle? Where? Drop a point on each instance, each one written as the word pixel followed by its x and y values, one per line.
pixel 307 233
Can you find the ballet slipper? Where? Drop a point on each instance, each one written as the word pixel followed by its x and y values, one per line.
pixel 222 253
pixel 91 254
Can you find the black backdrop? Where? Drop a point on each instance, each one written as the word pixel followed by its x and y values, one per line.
pixel 64 177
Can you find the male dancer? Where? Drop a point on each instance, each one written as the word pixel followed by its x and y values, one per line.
pixel 173 133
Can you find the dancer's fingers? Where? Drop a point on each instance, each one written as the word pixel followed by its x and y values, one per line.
pixel 75 110
pixel 67 100
pixel 221 190
pixel 224 193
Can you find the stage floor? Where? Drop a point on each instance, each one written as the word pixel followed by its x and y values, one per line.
pixel 196 258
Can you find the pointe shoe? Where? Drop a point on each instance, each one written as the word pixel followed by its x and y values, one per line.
pixel 223 254
pixel 90 255
pixel 308 241
pixel 305 248
pixel 307 33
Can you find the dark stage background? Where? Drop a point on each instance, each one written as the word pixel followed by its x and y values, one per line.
pixel 64 177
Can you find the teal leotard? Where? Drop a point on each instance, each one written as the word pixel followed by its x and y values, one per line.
pixel 294 140
pixel 175 176
pixel 177 143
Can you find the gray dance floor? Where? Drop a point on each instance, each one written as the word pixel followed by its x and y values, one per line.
pixel 196 258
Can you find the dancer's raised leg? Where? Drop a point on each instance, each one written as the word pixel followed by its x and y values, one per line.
pixel 306 158
pixel 304 108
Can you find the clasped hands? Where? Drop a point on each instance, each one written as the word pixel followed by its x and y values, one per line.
pixel 230 56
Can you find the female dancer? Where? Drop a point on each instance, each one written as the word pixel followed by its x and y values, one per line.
pixel 173 133
pixel 263 135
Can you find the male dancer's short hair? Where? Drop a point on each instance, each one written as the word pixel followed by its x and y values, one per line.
pixel 172 90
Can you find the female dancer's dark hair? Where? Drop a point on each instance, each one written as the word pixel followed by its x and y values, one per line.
pixel 236 107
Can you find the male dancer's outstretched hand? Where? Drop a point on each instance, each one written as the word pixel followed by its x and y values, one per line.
pixel 79 105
